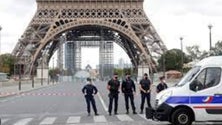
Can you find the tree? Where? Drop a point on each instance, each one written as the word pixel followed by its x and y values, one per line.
pixel 173 60
pixel 54 72
pixel 7 62
pixel 217 50
pixel 121 72
pixel 194 53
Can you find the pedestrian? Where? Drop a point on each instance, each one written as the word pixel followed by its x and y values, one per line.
pixel 162 85
pixel 113 86
pixel 129 89
pixel 90 91
pixel 145 89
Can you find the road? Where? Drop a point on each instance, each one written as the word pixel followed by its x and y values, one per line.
pixel 64 104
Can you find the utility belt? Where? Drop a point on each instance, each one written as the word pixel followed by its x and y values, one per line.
pixel 128 91
pixel 113 93
pixel 144 93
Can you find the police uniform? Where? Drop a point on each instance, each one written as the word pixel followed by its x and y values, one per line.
pixel 113 95
pixel 145 84
pixel 90 90
pixel 161 86
pixel 128 87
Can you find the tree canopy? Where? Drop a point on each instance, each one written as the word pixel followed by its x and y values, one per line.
pixel 217 50
pixel 7 62
pixel 172 59
pixel 194 52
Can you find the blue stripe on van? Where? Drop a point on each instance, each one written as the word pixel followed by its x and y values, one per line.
pixel 178 100
pixel 194 99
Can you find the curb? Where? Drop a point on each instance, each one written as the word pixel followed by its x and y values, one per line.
pixel 10 94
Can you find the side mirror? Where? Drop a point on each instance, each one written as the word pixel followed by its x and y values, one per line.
pixel 196 85
pixel 193 86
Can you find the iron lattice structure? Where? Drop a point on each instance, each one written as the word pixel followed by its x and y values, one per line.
pixel 123 20
pixel 73 55
pixel 74 40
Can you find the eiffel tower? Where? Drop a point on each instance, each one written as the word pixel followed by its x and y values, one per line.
pixel 123 21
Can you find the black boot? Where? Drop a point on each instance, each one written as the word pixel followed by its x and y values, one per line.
pixel 127 111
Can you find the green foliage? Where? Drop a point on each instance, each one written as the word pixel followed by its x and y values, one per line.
pixel 217 50
pixel 54 72
pixel 7 62
pixel 173 60
pixel 121 72
pixel 194 53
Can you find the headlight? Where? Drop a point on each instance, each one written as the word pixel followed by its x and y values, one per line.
pixel 164 97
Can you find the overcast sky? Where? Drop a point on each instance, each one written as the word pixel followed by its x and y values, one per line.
pixel 171 18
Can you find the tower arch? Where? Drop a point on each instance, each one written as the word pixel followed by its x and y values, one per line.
pixel 125 19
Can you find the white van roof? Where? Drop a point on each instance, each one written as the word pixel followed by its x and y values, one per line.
pixel 213 61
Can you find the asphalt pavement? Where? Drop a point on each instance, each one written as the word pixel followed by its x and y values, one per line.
pixel 64 104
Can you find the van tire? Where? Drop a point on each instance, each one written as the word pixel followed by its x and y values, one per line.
pixel 181 117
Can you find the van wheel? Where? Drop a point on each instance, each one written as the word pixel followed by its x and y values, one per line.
pixel 181 117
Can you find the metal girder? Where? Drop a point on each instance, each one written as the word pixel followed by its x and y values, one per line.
pixel 123 21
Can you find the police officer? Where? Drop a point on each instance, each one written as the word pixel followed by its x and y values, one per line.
pixel 162 85
pixel 128 88
pixel 145 85
pixel 113 87
pixel 89 91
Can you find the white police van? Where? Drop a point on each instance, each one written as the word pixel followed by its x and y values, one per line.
pixel 197 97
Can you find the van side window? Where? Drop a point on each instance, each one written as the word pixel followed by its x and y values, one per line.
pixel 209 77
pixel 199 81
pixel 212 77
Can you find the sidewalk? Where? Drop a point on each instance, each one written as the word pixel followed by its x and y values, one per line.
pixel 13 89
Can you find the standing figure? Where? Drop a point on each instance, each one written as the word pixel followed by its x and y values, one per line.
pixel 90 91
pixel 145 89
pixel 162 85
pixel 129 89
pixel 113 87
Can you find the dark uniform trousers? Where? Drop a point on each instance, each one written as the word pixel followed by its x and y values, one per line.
pixel 90 99
pixel 131 97
pixel 115 97
pixel 143 97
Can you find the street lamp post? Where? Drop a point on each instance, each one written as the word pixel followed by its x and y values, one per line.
pixel 32 75
pixel 182 58
pixel 53 74
pixel 210 38
pixel 20 76
pixel 0 39
pixel 42 72
pixel 164 61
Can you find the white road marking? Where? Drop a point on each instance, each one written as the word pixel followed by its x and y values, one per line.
pixel 72 120
pixel 4 120
pixel 207 123
pixel 102 101
pixel 124 118
pixel 24 121
pixel 100 118
pixel 144 117
pixel 48 121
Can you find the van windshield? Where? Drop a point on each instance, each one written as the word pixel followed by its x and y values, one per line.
pixel 189 76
